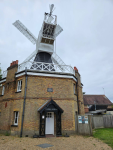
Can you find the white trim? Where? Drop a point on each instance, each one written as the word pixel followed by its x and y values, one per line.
pixel 3 90
pixel 2 81
pixel 20 74
pixel 19 86
pixel 47 75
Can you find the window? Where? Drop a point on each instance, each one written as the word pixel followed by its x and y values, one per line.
pixel 74 88
pixel 19 86
pixel 16 113
pixel 49 115
pixel 3 90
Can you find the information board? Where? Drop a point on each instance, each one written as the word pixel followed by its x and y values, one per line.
pixel 83 119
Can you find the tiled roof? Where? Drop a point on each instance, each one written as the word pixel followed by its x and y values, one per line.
pixel 98 99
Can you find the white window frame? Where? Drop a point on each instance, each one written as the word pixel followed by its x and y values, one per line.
pixel 3 90
pixel 16 115
pixel 19 86
pixel 74 88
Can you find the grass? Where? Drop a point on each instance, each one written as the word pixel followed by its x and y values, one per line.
pixel 104 134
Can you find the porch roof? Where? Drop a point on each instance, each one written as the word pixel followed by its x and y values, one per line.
pixel 47 104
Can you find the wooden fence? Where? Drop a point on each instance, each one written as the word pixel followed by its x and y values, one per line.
pixel 102 121
pixel 93 122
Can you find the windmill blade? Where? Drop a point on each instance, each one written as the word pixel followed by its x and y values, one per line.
pixel 58 30
pixel 25 31
pixel 57 60
pixel 31 57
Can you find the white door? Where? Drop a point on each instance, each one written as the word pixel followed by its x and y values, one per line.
pixel 49 123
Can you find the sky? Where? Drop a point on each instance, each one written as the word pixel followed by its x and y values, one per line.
pixel 86 41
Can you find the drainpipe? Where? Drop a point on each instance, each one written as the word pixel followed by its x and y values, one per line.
pixel 24 101
pixel 77 96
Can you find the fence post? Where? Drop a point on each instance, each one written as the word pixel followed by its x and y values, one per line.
pixel 90 124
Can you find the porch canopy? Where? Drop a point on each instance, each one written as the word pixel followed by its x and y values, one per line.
pixel 50 106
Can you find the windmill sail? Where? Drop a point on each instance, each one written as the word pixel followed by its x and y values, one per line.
pixel 25 31
pixel 58 30
pixel 57 60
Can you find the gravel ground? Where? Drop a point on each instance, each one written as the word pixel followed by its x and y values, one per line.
pixel 73 142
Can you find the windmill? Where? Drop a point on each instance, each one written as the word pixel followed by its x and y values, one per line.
pixel 44 52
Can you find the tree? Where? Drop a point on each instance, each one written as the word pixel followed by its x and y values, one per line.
pixel 84 93
pixel 0 73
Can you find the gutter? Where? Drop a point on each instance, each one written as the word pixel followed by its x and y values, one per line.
pixel 26 77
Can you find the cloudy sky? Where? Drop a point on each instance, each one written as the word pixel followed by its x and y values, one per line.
pixel 86 41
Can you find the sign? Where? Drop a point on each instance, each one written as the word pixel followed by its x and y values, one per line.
pixel 83 119
pixel 86 119
pixel 51 109
pixel 79 119
pixel 49 89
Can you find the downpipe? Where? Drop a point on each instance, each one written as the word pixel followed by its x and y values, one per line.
pixel 26 77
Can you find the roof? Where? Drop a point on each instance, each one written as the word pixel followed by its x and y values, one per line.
pixel 44 105
pixel 98 99
pixel 47 105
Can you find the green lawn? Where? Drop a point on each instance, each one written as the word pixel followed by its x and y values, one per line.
pixel 104 134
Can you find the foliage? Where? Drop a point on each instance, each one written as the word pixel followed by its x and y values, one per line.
pixel 7 133
pixel 104 134
pixel 84 93
pixel 0 73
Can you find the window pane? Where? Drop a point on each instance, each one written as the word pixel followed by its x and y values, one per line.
pixel 3 89
pixel 19 86
pixel 15 120
pixel 16 114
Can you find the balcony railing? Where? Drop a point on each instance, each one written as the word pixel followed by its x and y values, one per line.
pixel 41 66
pixel 50 67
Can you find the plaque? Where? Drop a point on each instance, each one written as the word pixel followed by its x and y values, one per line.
pixel 49 89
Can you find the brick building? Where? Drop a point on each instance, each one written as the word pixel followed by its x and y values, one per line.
pixel 37 98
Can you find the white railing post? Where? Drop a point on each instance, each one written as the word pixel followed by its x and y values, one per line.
pixel 42 66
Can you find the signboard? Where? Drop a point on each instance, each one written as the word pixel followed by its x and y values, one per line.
pixel 79 119
pixel 86 119
pixel 83 119
pixel 50 109
pixel 49 89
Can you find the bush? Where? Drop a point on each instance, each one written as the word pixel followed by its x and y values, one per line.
pixel 7 133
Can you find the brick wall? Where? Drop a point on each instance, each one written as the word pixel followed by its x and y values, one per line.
pixel 37 95
pixel 79 91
